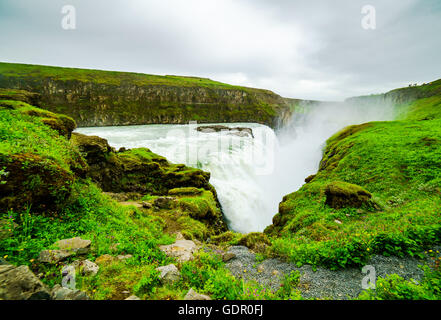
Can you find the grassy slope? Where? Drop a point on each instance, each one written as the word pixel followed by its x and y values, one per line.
pixel 399 163
pixel 114 229
pixel 110 77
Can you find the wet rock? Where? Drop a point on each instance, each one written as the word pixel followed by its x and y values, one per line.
pixel 193 295
pixel 310 178
pixel 182 250
pixel 20 283
pixel 239 131
pixel 169 274
pixel 61 293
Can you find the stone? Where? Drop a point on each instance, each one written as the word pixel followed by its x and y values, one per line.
pixel 124 257
pixel 54 256
pixel 169 274
pixel 77 245
pixel 86 267
pixel 346 195
pixel 164 202
pixel 228 256
pixel 182 250
pixel 133 298
pixel 146 205
pixel 310 178
pixel 20 283
pixel 61 293
pixel 193 295
pixel 105 259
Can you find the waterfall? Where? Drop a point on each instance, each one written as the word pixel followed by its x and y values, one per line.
pixel 251 174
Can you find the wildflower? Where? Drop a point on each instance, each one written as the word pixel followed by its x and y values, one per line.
pixel 32 260
pixel 5 256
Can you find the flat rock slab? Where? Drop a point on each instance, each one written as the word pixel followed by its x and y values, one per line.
pixel 20 283
pixel 54 256
pixel 182 250
pixel 61 293
pixel 74 244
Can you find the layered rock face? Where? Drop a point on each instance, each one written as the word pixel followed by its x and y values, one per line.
pixel 100 98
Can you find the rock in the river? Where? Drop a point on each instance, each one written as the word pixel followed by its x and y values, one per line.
pixel 193 295
pixel 169 274
pixel 239 131
pixel 20 283
pixel 182 250
pixel 61 293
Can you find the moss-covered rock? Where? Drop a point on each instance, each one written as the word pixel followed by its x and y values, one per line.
pixel 256 241
pixel 347 195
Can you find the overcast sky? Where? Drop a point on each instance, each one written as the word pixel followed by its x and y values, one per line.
pixel 300 49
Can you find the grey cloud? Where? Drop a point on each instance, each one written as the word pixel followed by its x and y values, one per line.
pixel 302 49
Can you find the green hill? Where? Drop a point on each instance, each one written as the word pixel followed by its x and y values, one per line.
pixel 103 98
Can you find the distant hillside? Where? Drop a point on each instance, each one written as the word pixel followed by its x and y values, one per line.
pixel 103 98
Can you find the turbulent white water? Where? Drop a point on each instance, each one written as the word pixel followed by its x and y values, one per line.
pixel 250 175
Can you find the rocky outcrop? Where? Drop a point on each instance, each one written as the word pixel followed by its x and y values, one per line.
pixel 100 98
pixel 136 170
pixel 346 195
pixel 238 131
pixel 20 283
pixel 66 249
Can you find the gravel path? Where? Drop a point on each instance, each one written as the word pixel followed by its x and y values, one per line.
pixel 322 283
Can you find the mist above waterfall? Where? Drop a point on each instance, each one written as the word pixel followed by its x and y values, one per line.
pixel 251 175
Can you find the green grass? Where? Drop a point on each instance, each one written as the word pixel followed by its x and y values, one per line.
pixel 399 163
pixel 108 77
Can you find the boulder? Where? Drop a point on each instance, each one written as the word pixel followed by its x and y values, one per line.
pixel 77 245
pixel 61 293
pixel 20 283
pixel 182 250
pixel 85 267
pixel 67 248
pixel 343 195
pixel 169 274
pixel 164 202
pixel 54 256
pixel 193 295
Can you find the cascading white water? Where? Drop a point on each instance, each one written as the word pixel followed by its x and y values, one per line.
pixel 251 175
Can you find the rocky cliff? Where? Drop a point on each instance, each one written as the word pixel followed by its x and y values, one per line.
pixel 103 98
